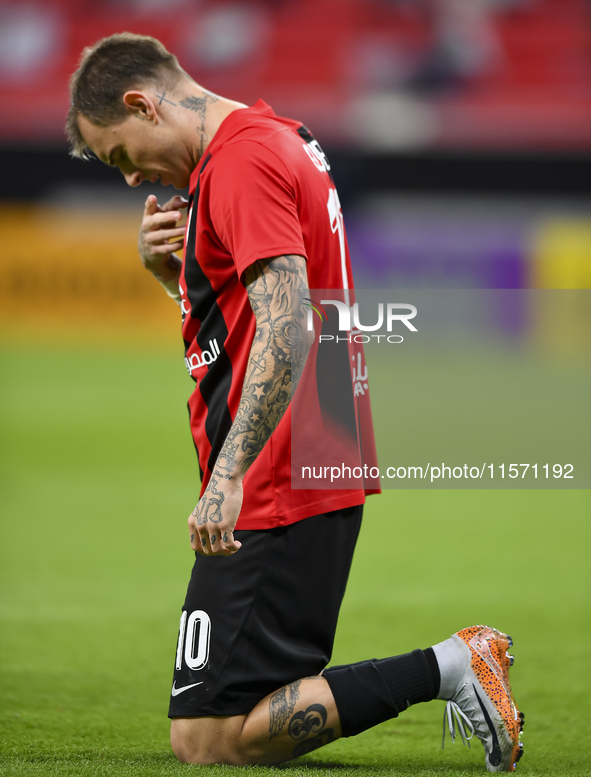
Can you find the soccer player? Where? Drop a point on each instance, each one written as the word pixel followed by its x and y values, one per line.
pixel 271 562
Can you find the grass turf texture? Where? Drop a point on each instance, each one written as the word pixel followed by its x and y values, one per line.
pixel 98 476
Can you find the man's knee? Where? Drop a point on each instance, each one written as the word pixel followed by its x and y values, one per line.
pixel 209 740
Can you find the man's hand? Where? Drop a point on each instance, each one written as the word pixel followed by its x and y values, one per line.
pixel 157 229
pixel 212 522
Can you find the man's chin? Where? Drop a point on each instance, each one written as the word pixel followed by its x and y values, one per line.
pixel 179 183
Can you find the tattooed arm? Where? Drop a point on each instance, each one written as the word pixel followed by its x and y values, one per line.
pixel 278 353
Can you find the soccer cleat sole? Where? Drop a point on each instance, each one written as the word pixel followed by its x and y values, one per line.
pixel 518 749
pixel 517 753
pixel 508 661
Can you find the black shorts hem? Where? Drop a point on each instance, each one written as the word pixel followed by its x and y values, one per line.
pixel 217 710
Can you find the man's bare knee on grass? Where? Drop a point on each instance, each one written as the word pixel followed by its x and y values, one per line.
pixel 296 719
pixel 207 740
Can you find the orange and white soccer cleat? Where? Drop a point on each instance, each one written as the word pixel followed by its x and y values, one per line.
pixel 481 702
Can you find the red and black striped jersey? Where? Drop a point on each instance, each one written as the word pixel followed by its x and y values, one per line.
pixel 263 189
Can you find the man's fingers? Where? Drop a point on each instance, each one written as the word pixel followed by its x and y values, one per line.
pixel 155 233
pixel 160 235
pixel 207 544
pixel 203 544
pixel 199 543
pixel 163 248
pixel 228 543
pixel 160 220
pixel 151 207
pixel 209 540
pixel 222 542
pixel 173 204
pixel 231 550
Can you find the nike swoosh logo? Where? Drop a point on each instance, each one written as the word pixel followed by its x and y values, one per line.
pixel 496 755
pixel 175 691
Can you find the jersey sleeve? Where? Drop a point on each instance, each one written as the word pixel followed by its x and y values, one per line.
pixel 253 204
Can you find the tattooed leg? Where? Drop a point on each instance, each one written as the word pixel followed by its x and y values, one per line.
pixel 293 721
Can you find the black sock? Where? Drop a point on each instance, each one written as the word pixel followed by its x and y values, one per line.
pixel 434 667
pixel 371 692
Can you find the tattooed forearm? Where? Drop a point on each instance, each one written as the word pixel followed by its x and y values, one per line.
pixel 281 705
pixel 278 353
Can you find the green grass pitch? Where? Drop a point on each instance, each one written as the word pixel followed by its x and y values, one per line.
pixel 98 475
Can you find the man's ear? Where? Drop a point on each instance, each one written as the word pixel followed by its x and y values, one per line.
pixel 139 104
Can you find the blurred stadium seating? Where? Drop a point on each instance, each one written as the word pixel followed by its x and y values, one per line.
pixel 382 73
pixel 459 132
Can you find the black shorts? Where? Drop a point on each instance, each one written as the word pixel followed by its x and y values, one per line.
pixel 264 617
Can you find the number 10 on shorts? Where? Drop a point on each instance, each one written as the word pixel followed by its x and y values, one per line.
pixel 193 644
